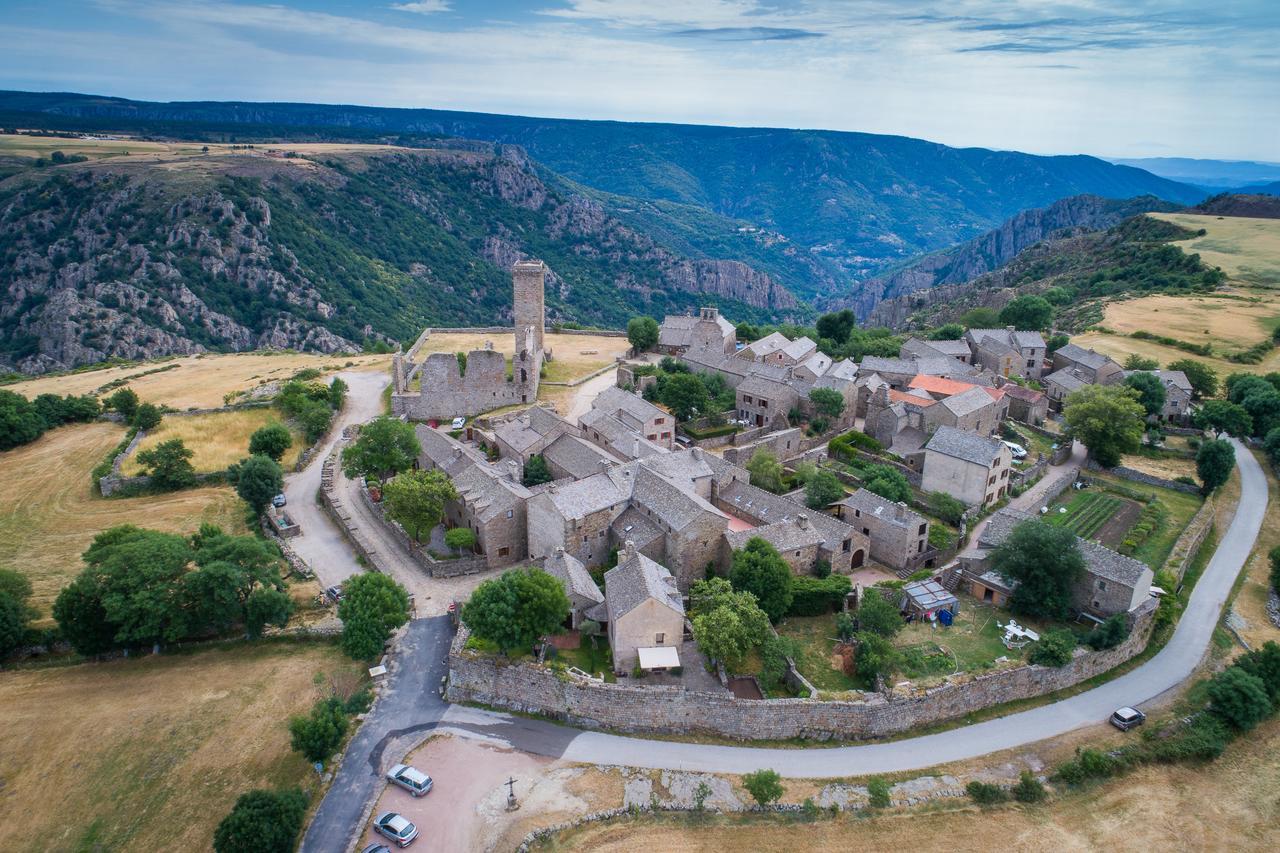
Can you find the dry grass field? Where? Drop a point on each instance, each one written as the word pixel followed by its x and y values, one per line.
pixel 1247 249
pixel 151 753
pixel 1230 804
pixel 575 355
pixel 198 381
pixel 217 439
pixel 1251 601
pixel 124 148
pixel 51 513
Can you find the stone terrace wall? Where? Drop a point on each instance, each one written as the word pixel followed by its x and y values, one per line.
pixel 530 688
pixel 1142 477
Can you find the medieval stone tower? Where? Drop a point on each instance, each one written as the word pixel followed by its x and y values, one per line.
pixel 528 303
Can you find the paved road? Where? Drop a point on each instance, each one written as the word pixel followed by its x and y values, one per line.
pixel 584 394
pixel 321 543
pixel 1031 499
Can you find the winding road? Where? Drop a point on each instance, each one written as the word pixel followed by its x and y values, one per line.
pixel 412 706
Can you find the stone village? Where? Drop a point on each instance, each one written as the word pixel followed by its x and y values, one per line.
pixel 637 510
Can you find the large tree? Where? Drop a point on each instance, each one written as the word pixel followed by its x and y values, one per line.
pixel 765 470
pixel 169 465
pixel 1137 361
pixel 642 332
pixel 759 569
pixel 386 447
pixel 887 482
pixel 514 610
pixel 536 471
pixel 1107 419
pixel 20 423
pixel 125 401
pixel 257 479
pixel 270 440
pixel 1203 379
pixel 878 616
pixel 1224 416
pixel 1151 393
pixel 822 490
pixel 1214 462
pixel 15 613
pixel 837 325
pixel 1027 312
pixel 1045 562
pixel 373 605
pixel 416 499
pixel 685 395
pixel 148 416
pixel 827 401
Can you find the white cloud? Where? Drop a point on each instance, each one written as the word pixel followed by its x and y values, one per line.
pixel 424 7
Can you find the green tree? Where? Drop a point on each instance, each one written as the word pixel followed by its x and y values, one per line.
pixel 262 822
pixel 760 570
pixel 319 734
pixel 1053 343
pixel 947 332
pixel 1264 664
pixel 148 416
pixel 1029 789
pixel 887 482
pixel 1203 379
pixel 139 573
pixel 536 471
pixel 270 440
pixel 986 793
pixel 1054 648
pixel 876 615
pixel 266 606
pixel 685 395
pixel 20 423
pixel 1109 634
pixel 764 786
pixel 257 479
pixel 1272 445
pixel 82 619
pixel 1274 557
pixel 642 332
pixel 1137 361
pixel 1224 416
pixel 417 499
pixel 169 465
pixel 980 318
pixel 1107 419
pixel 373 605
pixel 827 401
pixel 125 401
pixel 722 637
pixel 386 447
pixel 13 623
pixel 515 609
pixel 1027 312
pixel 837 325
pixel 877 658
pixel 460 538
pixel 1151 393
pixel 947 507
pixel 765 470
pixel 1215 461
pixel 1046 564
pixel 822 490
pixel 1239 698
pixel 337 393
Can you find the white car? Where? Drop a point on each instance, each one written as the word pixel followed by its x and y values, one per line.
pixel 1017 450
pixel 458 423
pixel 396 827
pixel 411 779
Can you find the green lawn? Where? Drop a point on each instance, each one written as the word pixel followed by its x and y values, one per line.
pixel 1172 511
pixel 587 661
pixel 971 644
pixel 816 637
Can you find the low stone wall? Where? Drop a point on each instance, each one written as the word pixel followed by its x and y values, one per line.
pixel 1142 477
pixel 1189 542
pixel 529 688
pixel 1028 476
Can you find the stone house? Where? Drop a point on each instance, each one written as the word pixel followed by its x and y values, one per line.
pixel 1061 383
pixel 970 467
pixel 899 537
pixel 1177 394
pixel 584 596
pixel 707 331
pixel 916 348
pixel 1093 367
pixel 990 347
pixel 644 608
pixel 1026 404
pixel 965 405
pixel 572 457
pixel 616 415
pixel 577 516
pixel 900 420
pixel 760 350
pixel 1113 583
pixel 843 546
pixel 896 372
pixel 796 540
pixel 529 433
pixel 762 401
pixel 813 367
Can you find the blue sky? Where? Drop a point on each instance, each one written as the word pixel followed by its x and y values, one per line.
pixel 1108 77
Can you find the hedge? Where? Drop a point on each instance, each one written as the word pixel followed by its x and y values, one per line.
pixel 816 596
pixel 710 432
pixel 842 446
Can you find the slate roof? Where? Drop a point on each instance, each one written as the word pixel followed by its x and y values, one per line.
pixel 1014 339
pixel 1080 355
pixel 962 444
pixel 878 364
pixel 749 500
pixel 800 349
pixel 588 495
pixel 845 368
pixel 488 490
pixel 574 576
pixel 767 345
pixel 633 524
pixel 446 452
pixel 635 580
pixel 1175 378
pixel 664 500
pixel 944 366
pixel 1068 378
pixel 676 330
pixel 1099 559
pixel 771 389
pixel 817 363
pixel 971 400
pixel 1029 395
pixel 528 428
pixel 613 399
pixel 874 506
pixel 577 457
pixel 787 535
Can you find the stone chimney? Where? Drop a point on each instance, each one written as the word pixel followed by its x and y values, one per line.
pixel 900 510
pixel 604 465
pixel 636 451
pixel 551 488
pixel 560 551
pixel 802 521
pixel 1010 329
pixel 697 453
pixel 488 345
pixel 513 470
pixel 628 551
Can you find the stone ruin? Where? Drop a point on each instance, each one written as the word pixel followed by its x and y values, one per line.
pixel 448 392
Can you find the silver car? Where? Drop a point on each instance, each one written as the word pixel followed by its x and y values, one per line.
pixel 376 848
pixel 396 827
pixel 411 779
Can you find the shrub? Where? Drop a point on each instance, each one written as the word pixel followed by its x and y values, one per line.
pixel 877 615
pixel 813 596
pixel 1029 789
pixel 842 446
pixel 878 793
pixel 169 465
pixel 821 569
pixel 1109 634
pixel 271 440
pixel 1054 649
pixel 536 471
pixel 320 733
pixel 946 507
pixel 1203 740
pixel 1239 698
pixel 1274 556
pixel 1087 766
pixel 148 416
pixel 759 569
pixel 764 786
pixel 985 793
pixel 262 822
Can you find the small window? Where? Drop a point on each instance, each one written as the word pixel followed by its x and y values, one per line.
pixel 764 404
pixel 866 531
pixel 1102 586
pixel 921 531
pixel 510 513
pixel 585 538
pixel 659 421
pixel 503 551
pixel 659 639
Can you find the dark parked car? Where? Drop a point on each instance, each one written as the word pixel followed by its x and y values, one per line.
pixel 334 593
pixel 396 827
pixel 1127 718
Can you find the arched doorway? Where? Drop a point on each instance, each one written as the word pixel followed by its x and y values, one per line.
pixel 859 557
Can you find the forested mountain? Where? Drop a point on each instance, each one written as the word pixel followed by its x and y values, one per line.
pixel 325 248
pixel 855 202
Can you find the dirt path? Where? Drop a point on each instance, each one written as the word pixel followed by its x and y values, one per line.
pixel 582 396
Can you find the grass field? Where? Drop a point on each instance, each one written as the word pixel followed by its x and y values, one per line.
pixel 217 439
pixel 576 356
pixel 1247 250
pixel 151 753
pixel 177 153
pixel 198 381
pixel 972 644
pixel 1175 510
pixel 51 513
pixel 816 636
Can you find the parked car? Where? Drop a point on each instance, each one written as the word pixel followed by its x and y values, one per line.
pixel 411 779
pixel 1016 450
pixel 1127 718
pixel 376 848
pixel 396 827
pixel 279 500
pixel 458 423
pixel 334 593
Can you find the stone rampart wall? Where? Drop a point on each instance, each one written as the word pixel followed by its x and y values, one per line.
pixel 530 688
